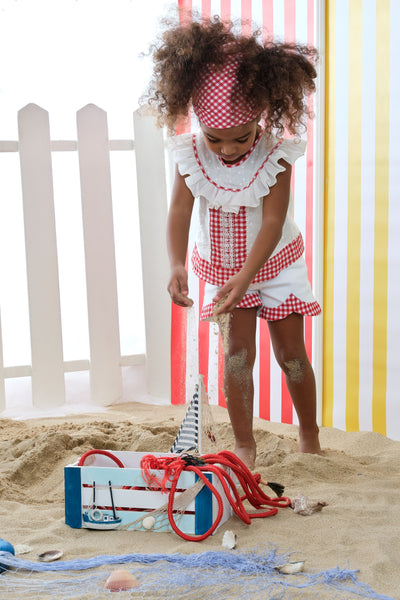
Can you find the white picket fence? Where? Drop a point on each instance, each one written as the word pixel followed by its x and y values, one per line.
pixel 48 367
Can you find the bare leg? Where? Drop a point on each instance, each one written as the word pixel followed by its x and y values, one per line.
pixel 287 339
pixel 238 381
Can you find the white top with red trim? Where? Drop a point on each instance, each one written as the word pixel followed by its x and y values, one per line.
pixel 230 200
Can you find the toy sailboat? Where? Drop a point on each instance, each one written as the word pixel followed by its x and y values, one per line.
pixel 95 518
pixel 197 429
pixel 88 490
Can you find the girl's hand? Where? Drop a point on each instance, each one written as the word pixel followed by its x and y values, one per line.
pixel 232 293
pixel 178 287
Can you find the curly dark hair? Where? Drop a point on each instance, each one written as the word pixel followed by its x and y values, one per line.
pixel 276 77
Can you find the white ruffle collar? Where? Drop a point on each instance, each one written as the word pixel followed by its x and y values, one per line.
pixel 231 186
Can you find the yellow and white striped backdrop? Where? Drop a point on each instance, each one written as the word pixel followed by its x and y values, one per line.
pixel 362 217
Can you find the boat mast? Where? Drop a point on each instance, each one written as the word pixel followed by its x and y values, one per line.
pixel 112 501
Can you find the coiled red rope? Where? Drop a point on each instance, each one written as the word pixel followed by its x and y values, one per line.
pixel 217 464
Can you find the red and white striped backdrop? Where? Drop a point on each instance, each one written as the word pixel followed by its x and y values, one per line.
pixel 195 346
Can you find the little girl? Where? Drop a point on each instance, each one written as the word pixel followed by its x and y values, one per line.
pixel 249 250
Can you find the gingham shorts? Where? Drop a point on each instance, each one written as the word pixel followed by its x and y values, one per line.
pixel 288 292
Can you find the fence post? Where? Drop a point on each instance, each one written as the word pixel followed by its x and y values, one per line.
pixel 48 386
pixel 2 382
pixel 101 279
pixel 152 195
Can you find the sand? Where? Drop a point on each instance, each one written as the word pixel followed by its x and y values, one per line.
pixel 357 476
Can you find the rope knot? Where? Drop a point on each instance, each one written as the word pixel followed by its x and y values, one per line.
pixel 171 466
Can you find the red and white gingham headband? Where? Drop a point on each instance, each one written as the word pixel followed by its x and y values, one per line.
pixel 218 101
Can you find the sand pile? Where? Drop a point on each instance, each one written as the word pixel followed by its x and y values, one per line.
pixel 358 478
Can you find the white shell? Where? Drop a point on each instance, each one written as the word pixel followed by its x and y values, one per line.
pixel 229 540
pixel 304 506
pixel 50 555
pixel 22 549
pixel 148 522
pixel 291 567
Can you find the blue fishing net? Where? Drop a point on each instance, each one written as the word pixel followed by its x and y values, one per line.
pixel 210 575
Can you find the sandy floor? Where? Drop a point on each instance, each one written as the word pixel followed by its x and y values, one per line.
pixel 358 477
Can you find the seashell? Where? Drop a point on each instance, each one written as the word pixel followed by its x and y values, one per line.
pixel 121 581
pixel 148 522
pixel 22 549
pixel 50 555
pixel 304 506
pixel 291 567
pixel 229 540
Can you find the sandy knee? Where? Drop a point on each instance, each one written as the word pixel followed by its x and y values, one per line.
pixel 294 369
pixel 238 380
pixel 239 370
pixel 238 365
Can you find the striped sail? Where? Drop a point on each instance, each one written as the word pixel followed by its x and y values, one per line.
pixel 188 434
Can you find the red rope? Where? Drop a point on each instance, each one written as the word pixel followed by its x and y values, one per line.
pixel 82 459
pixel 216 464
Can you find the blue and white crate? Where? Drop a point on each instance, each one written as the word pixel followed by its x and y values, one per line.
pixel 131 498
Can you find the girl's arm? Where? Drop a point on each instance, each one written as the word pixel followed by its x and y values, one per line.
pixel 178 224
pixel 275 207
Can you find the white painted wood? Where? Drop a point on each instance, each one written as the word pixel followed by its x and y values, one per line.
pixel 70 366
pixel 94 164
pixel 26 370
pixel 17 371
pixel 121 145
pixel 2 384
pixel 48 388
pixel 70 145
pixel 105 361
pixel 8 146
pixel 132 360
pixel 63 145
pixel 67 145
pixel 152 194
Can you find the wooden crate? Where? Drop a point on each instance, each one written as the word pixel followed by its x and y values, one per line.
pixel 131 496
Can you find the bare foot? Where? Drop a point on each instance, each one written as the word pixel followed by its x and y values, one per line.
pixel 309 442
pixel 247 454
